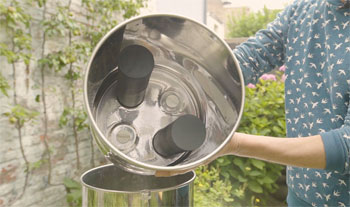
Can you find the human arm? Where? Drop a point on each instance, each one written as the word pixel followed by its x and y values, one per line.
pixel 305 152
pixel 265 51
pixel 300 152
pixel 329 150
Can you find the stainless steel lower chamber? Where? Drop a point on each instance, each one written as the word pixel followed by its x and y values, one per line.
pixel 111 186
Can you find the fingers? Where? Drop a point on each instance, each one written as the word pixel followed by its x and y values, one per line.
pixel 170 173
pixel 163 174
pixel 178 172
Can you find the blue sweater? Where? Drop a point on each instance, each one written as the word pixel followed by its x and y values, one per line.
pixel 312 39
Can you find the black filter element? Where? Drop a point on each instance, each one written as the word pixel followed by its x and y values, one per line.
pixel 186 133
pixel 135 67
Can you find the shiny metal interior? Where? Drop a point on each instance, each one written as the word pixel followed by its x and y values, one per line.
pixel 111 186
pixel 195 73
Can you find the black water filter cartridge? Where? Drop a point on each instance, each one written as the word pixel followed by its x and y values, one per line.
pixel 185 134
pixel 135 67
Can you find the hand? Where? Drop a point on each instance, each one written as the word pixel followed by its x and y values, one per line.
pixel 171 173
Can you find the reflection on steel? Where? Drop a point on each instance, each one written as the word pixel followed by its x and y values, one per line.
pixel 195 72
pixel 110 186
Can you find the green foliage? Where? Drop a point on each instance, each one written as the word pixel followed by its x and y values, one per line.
pixel 210 190
pixel 101 13
pixel 4 86
pixel 74 194
pixel 17 23
pixel 14 15
pixel 253 181
pixel 62 22
pixel 249 23
pixel 58 60
pixel 19 115
pixel 10 55
pixel 40 2
pixel 80 118
pixel 35 165
pixel 264 109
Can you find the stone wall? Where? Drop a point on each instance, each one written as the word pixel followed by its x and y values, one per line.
pixel 27 85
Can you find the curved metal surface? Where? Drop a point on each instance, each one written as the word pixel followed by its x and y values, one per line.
pixel 111 186
pixel 195 73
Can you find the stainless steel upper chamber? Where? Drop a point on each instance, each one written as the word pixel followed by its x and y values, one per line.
pixel 195 72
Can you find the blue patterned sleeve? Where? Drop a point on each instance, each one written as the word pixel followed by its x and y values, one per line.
pixel 265 51
pixel 337 147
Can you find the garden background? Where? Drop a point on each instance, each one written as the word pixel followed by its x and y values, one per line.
pixel 45 140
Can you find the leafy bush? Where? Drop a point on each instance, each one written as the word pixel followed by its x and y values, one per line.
pixel 250 182
pixel 248 24
pixel 264 107
pixel 210 190
pixel 74 192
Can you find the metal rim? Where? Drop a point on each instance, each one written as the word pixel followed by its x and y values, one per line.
pixel 145 165
pixel 129 192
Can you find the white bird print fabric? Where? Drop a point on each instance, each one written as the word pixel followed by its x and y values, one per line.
pixel 312 39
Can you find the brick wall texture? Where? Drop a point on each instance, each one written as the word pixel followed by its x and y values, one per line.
pixel 38 191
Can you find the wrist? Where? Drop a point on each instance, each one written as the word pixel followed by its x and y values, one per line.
pixel 232 147
pixel 235 143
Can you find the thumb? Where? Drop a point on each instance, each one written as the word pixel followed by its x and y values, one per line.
pixel 170 173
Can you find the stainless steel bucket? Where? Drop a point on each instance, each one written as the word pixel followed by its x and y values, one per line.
pixel 195 73
pixel 111 186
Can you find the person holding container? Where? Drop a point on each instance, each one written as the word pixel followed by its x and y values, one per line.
pixel 311 38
